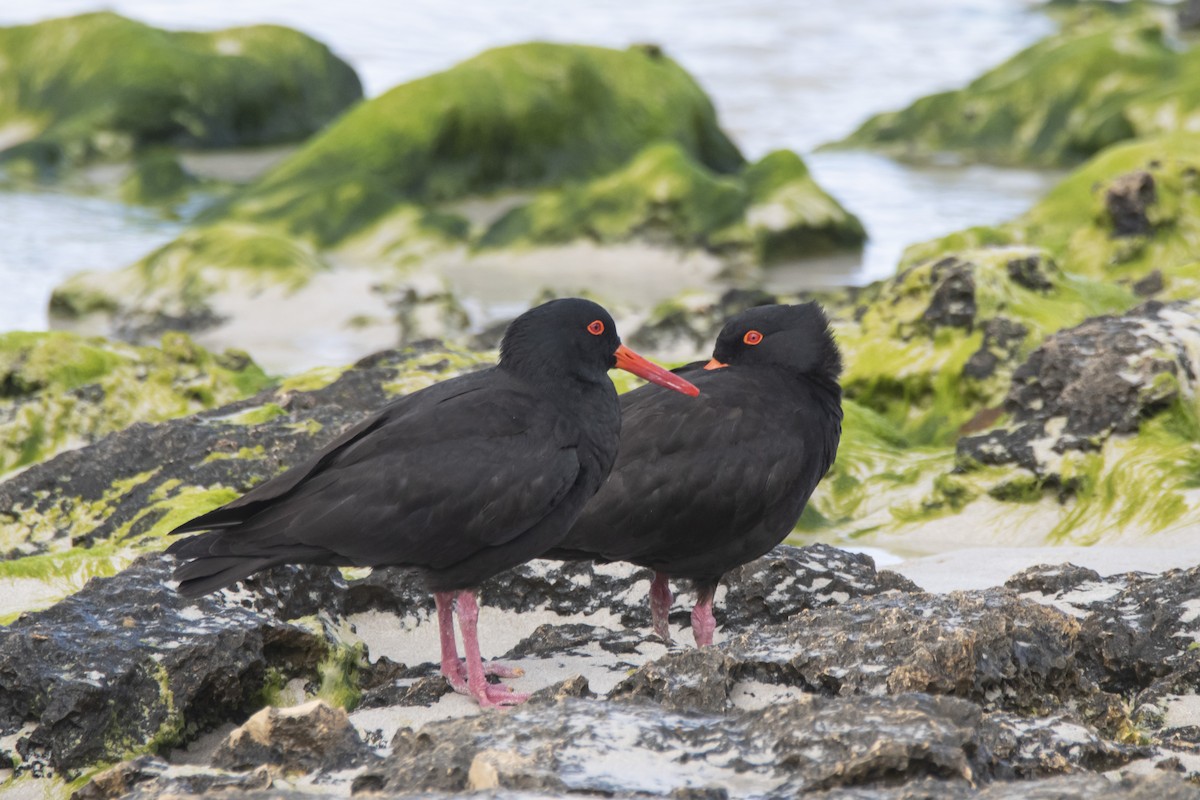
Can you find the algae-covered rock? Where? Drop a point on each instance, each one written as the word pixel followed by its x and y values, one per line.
pixel 521 116
pixel 534 147
pixel 1056 103
pixel 771 211
pixel 103 87
pixel 59 390
pixel 127 665
pixel 934 346
pixel 90 511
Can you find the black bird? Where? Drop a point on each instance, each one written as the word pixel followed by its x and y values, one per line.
pixel 460 481
pixel 703 486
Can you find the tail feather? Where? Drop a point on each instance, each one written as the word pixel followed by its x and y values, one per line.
pixel 206 575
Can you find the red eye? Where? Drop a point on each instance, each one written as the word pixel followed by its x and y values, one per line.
pixel 752 337
pixel 596 327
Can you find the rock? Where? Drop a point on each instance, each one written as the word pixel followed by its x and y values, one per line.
pixel 698 679
pixel 1150 285
pixel 1046 579
pixel 561 167
pixel 141 482
pixel 307 738
pixel 1126 201
pixel 147 776
pixel 789 580
pixel 773 211
pixel 1188 14
pixel 913 351
pixel 1085 384
pixel 59 390
pixel 991 647
pixel 127 664
pixel 1094 83
pixel 147 87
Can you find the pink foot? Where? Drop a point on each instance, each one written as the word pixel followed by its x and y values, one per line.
pixel 660 606
pixel 703 621
pixel 488 695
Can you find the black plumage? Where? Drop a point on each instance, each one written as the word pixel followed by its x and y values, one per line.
pixel 459 481
pixel 702 486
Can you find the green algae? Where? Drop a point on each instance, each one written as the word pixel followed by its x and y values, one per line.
pixel 259 414
pixel 1095 83
pixel 772 209
pixel 139 88
pixel 60 389
pixel 521 116
pixel 906 366
pixel 157 178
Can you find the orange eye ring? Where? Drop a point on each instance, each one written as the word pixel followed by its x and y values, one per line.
pixel 595 327
pixel 752 337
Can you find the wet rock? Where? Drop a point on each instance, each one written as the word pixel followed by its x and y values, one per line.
pixel 1028 272
pixel 1188 14
pixel 698 679
pixel 1126 201
pixel 992 647
pixel 1048 579
pixel 142 481
pixel 1025 747
pixel 1062 787
pixel 148 776
pixel 126 663
pixel 1086 383
pixel 1150 285
pixel 585 746
pixel 791 579
pixel 307 738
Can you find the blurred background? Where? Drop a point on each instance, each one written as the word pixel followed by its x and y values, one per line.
pixel 202 201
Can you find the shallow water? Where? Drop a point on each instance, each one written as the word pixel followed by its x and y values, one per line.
pixel 783 74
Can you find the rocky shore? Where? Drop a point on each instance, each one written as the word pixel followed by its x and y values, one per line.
pixel 829 678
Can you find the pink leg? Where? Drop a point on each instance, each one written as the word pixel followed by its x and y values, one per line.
pixel 660 605
pixel 451 666
pixel 486 694
pixel 453 669
pixel 703 621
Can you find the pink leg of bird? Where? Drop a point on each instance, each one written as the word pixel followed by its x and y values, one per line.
pixel 486 694
pixel 660 606
pixel 453 668
pixel 703 621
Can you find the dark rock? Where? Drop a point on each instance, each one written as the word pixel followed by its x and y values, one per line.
pixel 1127 199
pixel 1051 579
pixel 789 580
pixel 307 738
pixel 1143 631
pixel 1030 747
pixel 991 647
pixel 1002 340
pixel 178 457
pixel 575 686
pixel 147 776
pixel 126 662
pixel 1152 284
pixel 1188 14
pixel 1101 377
pixel 952 303
pixel 697 679
pixel 1028 272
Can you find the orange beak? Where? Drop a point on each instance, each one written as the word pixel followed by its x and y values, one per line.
pixel 714 364
pixel 632 362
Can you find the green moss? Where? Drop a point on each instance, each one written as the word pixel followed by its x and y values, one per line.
pixel 912 371
pixel 245 452
pixel 311 380
pixel 100 86
pixel 157 178
pixel 521 116
pixel 60 388
pixel 772 209
pixel 1056 103
pixel 340 676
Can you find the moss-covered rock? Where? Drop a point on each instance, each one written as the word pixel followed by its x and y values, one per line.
pixel 935 346
pixel 771 211
pixel 529 146
pixel 103 87
pixel 59 390
pixel 1058 102
pixel 528 115
pixel 1132 210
